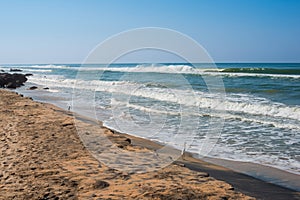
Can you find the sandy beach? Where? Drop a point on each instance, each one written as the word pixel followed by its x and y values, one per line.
pixel 42 157
pixel 169 100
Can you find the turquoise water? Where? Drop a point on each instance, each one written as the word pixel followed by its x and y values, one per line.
pixel 171 103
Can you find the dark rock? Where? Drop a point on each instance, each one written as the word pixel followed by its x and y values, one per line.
pixel 46 88
pixel 46 195
pixel 11 85
pixel 231 188
pixel 33 88
pixel 128 140
pixel 12 80
pixel 73 184
pixel 15 70
pixel 99 184
pixel 28 74
pixel 2 70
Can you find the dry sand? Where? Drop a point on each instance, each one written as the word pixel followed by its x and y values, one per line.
pixel 42 157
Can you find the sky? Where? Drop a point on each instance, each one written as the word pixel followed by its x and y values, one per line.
pixel 65 31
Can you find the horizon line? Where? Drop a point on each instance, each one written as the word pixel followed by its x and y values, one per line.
pixel 220 62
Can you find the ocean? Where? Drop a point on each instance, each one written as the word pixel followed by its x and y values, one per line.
pixel 257 119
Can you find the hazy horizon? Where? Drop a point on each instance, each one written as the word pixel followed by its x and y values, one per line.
pixel 229 62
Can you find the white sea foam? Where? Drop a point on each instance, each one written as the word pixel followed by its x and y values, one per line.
pixel 50 66
pixel 286 164
pixel 37 70
pixel 261 113
pixel 47 66
pixel 256 107
pixel 228 116
pixel 185 69
pixel 145 68
pixel 238 74
pixel 158 68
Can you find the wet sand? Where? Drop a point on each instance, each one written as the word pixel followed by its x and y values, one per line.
pixel 42 157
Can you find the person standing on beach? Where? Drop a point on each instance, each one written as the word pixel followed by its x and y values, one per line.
pixel 69 106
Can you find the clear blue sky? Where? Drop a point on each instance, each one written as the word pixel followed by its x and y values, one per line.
pixel 64 31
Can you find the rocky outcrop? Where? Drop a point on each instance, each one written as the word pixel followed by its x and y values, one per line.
pixel 15 70
pixel 33 88
pixel 12 80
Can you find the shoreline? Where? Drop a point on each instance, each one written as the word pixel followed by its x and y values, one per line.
pixel 226 164
pixel 42 157
pixel 268 174
pixel 259 189
pixel 61 102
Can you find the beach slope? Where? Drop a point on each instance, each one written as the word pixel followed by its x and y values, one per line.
pixel 42 157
